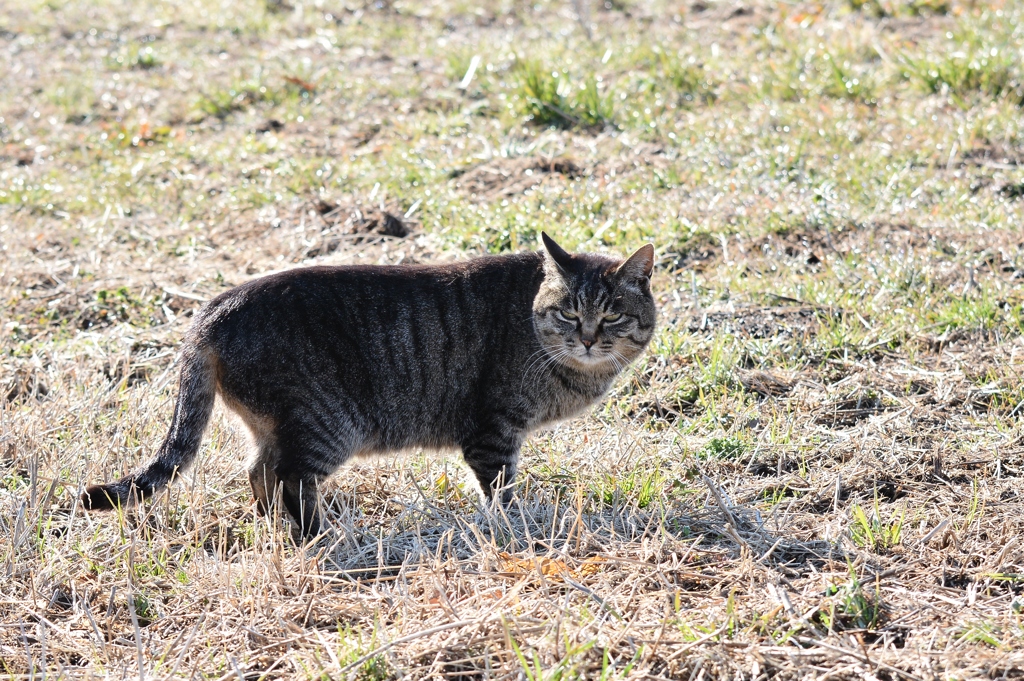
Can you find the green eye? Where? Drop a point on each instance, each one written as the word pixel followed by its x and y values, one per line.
pixel 612 317
pixel 566 316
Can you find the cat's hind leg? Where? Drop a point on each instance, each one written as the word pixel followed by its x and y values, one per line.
pixel 263 478
pixel 266 455
pixel 270 473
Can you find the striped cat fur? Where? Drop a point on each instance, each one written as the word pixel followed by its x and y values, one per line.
pixel 326 363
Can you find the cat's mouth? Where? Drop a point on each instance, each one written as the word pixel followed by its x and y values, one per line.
pixel 589 358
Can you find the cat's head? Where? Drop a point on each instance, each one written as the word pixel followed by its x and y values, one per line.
pixel 594 313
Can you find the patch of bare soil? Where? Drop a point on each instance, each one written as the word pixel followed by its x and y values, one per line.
pixel 955 253
pixel 805 246
pixel 735 18
pixel 765 383
pixel 24 383
pixel 994 156
pixel 848 411
pixel 353 225
pixel 20 156
pixel 698 253
pixel 508 177
pixel 759 322
pixel 812 245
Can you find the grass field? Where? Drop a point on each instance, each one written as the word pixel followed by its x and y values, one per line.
pixel 816 471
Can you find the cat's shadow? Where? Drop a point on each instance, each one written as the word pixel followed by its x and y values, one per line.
pixel 429 533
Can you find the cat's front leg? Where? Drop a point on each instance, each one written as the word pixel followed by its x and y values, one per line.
pixel 493 455
pixel 299 493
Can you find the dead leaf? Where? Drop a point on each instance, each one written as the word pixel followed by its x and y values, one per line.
pixel 303 84
pixel 550 568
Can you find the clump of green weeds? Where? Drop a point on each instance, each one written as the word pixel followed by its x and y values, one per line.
pixel 640 486
pixel 75 98
pixel 673 75
pixel 974 67
pixel 145 609
pixel 981 632
pixel 796 72
pixel 133 55
pixel 123 135
pixel 719 448
pixel 353 649
pixel 549 97
pixel 842 81
pixel 572 664
pixel 850 606
pixel 224 102
pixel 458 64
pixel 874 532
pixel 898 8
pixel 980 312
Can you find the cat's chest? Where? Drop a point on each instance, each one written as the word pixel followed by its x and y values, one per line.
pixel 562 400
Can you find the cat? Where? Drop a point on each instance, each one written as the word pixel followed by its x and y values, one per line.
pixel 326 363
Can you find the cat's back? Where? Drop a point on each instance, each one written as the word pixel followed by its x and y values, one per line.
pixel 364 301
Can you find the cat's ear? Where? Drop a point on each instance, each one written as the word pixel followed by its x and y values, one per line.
pixel 640 264
pixel 561 257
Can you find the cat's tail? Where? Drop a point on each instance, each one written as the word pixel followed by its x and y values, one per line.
pixel 196 391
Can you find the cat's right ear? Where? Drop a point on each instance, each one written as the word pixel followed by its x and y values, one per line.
pixel 640 265
pixel 558 254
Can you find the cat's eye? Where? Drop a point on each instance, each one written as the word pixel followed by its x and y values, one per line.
pixel 612 318
pixel 566 316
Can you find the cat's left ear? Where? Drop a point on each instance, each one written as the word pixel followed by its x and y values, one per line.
pixel 640 264
pixel 561 258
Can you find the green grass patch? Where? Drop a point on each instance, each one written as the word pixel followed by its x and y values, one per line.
pixel 972 66
pixel 723 448
pixel 552 97
pixel 850 606
pixel 874 531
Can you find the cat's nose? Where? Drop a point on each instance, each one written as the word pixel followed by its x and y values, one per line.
pixel 587 342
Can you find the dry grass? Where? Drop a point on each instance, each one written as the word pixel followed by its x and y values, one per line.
pixel 816 472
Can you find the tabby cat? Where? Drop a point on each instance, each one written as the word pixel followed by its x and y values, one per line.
pixel 326 363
